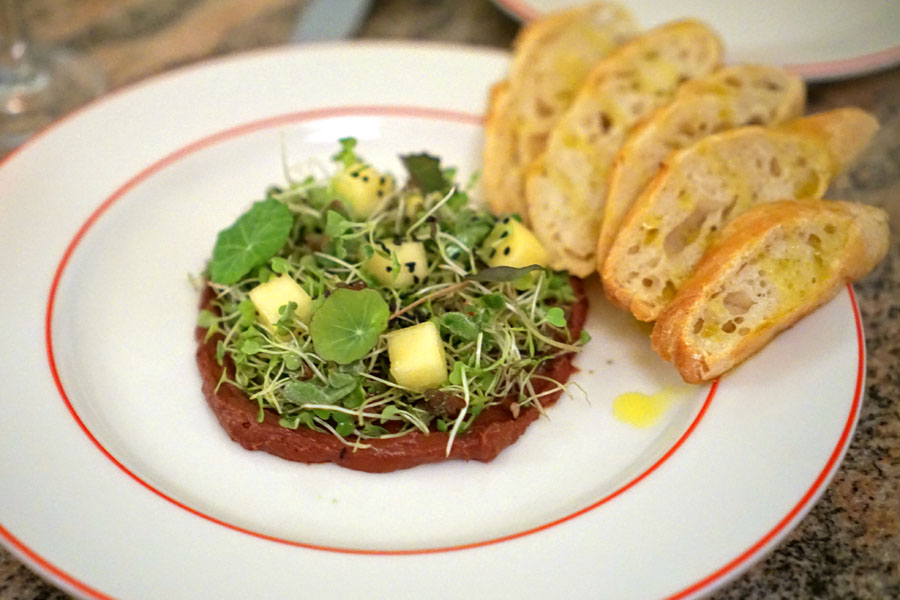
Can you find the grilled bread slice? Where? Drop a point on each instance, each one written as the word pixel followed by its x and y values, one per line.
pixel 551 58
pixel 565 188
pixel 701 188
pixel 730 97
pixel 775 264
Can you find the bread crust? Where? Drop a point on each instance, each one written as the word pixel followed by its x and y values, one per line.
pixel 675 337
pixel 731 97
pixel 551 58
pixel 565 188
pixel 699 189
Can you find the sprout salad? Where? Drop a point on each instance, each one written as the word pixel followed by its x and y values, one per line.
pixel 364 308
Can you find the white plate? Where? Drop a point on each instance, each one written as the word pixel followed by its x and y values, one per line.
pixel 818 39
pixel 118 482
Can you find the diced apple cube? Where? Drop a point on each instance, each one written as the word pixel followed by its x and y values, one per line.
pixel 511 244
pixel 411 257
pixel 417 357
pixel 278 291
pixel 362 188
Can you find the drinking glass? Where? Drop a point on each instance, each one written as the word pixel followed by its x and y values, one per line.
pixel 38 83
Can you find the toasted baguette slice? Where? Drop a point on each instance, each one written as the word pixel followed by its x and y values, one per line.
pixel 775 264
pixel 701 188
pixel 551 58
pixel 565 188
pixel 730 97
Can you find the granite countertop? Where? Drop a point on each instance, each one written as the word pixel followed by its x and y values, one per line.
pixel 849 544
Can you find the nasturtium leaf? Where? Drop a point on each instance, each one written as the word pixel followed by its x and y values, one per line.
pixel 425 172
pixel 502 274
pixel 251 241
pixel 556 317
pixel 459 324
pixel 347 325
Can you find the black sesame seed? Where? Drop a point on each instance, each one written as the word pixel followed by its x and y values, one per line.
pixel 380 193
pixel 388 269
pixel 505 221
pixel 354 173
pixel 382 180
pixel 365 178
pixel 411 265
pixel 416 279
pixel 493 252
pixel 506 251
pixel 504 234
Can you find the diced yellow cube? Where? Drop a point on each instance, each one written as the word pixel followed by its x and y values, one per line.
pixel 412 259
pixel 511 244
pixel 278 291
pixel 417 357
pixel 362 188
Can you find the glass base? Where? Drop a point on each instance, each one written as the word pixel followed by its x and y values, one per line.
pixel 46 84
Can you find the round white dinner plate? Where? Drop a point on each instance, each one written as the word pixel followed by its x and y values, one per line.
pixel 117 482
pixel 818 39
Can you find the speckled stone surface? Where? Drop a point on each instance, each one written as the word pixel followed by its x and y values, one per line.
pixel 848 547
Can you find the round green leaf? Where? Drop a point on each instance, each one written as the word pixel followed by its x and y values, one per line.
pixel 251 241
pixel 347 325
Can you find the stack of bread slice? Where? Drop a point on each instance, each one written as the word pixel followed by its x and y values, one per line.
pixel 772 266
pixel 552 58
pixel 699 189
pixel 682 183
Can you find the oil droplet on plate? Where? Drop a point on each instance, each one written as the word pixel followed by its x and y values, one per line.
pixel 643 410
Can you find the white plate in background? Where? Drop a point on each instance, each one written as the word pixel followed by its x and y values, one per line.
pixel 818 39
